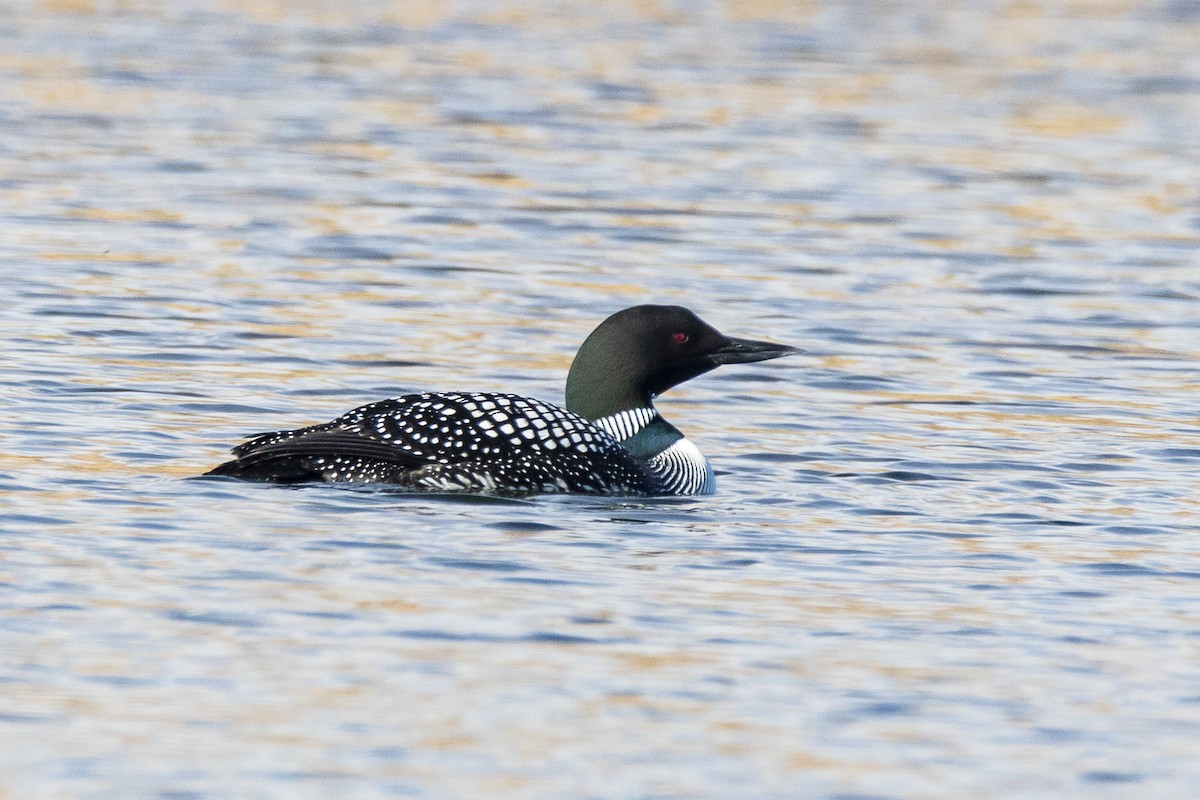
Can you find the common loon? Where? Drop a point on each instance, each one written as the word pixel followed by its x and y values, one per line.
pixel 609 440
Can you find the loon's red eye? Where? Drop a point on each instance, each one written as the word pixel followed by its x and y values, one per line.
pixel 680 338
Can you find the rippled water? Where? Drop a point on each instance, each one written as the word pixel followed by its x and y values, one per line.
pixel 954 551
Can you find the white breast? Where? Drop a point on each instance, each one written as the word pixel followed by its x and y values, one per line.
pixel 683 469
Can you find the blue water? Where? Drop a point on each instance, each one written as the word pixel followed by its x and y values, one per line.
pixel 953 552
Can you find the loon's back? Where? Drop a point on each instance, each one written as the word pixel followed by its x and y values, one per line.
pixel 451 442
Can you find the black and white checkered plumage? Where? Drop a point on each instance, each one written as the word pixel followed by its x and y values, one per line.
pixel 609 440
pixel 451 442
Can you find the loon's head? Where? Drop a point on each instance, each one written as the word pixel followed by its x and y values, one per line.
pixel 642 351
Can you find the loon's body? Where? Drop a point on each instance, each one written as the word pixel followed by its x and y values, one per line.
pixel 609 440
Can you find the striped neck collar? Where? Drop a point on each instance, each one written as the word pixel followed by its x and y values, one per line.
pixel 679 465
pixel 624 425
pixel 641 431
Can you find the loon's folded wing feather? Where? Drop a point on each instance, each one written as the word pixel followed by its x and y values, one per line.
pixel 349 423
pixel 309 456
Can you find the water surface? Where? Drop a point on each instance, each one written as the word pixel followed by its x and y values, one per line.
pixel 954 547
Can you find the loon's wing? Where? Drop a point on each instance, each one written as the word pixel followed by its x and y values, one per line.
pixel 351 447
pixel 316 456
pixel 350 422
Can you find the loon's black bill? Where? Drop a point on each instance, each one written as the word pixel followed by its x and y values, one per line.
pixel 745 351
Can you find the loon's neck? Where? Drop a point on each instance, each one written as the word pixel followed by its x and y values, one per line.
pixel 677 462
pixel 640 430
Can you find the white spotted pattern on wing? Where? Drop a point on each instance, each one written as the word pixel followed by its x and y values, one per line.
pixel 477 442
pixel 683 469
